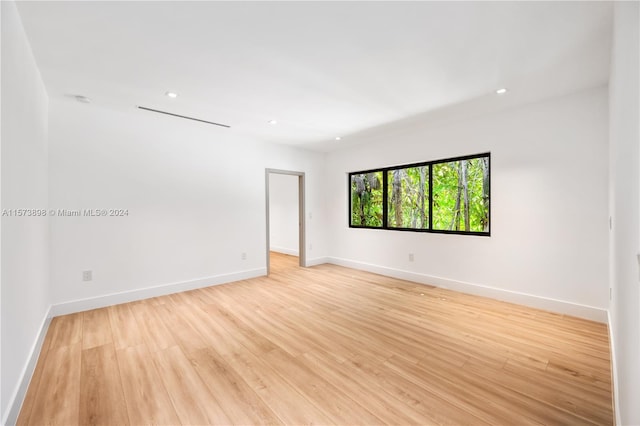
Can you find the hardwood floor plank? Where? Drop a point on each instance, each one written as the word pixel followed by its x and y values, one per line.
pixel 321 345
pixel 435 405
pixel 96 328
pixel 211 330
pixel 193 401
pixel 156 334
pixel 390 410
pixel 146 397
pixel 472 400
pixel 246 335
pixel 328 398
pixel 101 396
pixel 294 409
pixel 241 403
pixel 124 326
pixel 552 394
pixel 57 400
pixel 172 315
pixel 66 330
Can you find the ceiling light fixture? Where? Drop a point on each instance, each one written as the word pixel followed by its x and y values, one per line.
pixel 338 138
pixel 171 95
pixel 273 122
pixel 501 91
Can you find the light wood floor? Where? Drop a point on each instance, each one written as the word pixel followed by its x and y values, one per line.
pixel 323 345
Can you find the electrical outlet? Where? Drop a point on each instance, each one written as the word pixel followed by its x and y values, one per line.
pixel 243 256
pixel 87 275
pixel 410 257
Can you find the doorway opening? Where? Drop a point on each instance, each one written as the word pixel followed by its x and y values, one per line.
pixel 285 202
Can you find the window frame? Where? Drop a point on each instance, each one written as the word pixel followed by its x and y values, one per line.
pixel 384 198
pixel 385 195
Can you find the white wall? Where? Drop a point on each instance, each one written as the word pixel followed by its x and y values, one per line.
pixel 25 240
pixel 283 213
pixel 549 205
pixel 625 210
pixel 195 195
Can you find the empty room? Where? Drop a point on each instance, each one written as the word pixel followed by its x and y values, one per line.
pixel 336 213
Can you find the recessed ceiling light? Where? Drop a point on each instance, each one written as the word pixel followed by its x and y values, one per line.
pixel 501 91
pixel 172 95
pixel 338 138
pixel 273 121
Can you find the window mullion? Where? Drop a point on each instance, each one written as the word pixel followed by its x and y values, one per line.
pixel 430 197
pixel 385 187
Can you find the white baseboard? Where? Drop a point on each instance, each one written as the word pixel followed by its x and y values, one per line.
pixel 16 400
pixel 582 311
pixel 291 252
pixel 614 371
pixel 317 261
pixel 145 293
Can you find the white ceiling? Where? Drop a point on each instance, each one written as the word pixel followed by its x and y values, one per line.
pixel 321 69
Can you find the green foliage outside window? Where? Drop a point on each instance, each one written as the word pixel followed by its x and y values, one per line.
pixel 439 196
pixel 460 196
pixel 408 198
pixel 366 199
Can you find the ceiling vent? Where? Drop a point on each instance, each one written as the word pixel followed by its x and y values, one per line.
pixel 183 116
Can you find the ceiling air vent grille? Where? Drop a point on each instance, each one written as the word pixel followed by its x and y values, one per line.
pixel 183 116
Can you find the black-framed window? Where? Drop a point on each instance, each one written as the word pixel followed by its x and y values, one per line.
pixel 366 199
pixel 408 197
pixel 445 196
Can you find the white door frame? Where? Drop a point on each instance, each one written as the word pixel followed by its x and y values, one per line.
pixel 302 253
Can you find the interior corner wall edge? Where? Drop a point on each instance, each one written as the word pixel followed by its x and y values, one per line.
pixel 624 204
pixel 548 200
pixel 25 240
